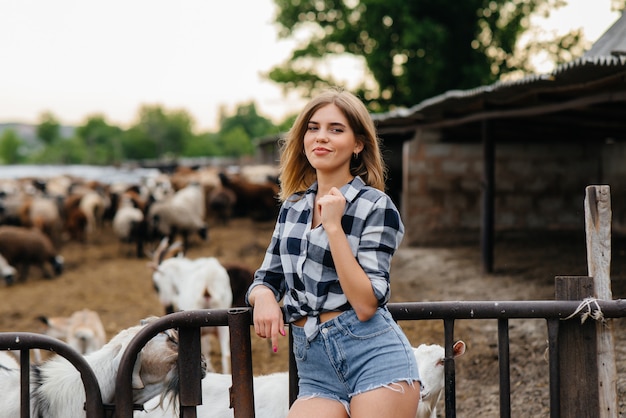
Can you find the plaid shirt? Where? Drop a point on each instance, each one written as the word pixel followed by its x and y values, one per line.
pixel 298 264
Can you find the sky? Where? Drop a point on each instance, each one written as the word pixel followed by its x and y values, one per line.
pixel 78 58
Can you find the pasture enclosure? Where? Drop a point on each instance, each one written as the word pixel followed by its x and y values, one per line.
pixel 99 277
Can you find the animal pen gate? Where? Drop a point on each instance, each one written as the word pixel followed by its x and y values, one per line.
pixel 562 318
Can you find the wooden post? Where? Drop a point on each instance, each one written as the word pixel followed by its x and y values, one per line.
pixel 578 372
pixel 488 203
pixel 598 233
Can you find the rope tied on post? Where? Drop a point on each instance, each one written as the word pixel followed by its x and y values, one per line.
pixel 591 312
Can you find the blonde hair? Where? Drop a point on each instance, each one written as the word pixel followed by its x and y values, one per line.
pixel 296 174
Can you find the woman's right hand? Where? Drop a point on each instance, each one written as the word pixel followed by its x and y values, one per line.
pixel 267 315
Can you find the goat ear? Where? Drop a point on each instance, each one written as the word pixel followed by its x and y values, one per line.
pixel 137 383
pixel 458 348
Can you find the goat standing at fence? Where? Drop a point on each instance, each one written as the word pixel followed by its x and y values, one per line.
pixel 430 362
pixel 271 392
pixel 188 284
pixel 57 389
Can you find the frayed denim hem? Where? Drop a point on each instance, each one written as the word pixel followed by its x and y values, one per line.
pixel 395 386
pixel 345 403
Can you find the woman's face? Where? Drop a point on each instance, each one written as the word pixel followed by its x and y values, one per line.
pixel 329 142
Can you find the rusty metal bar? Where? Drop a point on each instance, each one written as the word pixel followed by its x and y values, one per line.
pixel 547 309
pixel 242 390
pixel 505 368
pixel 25 383
pixel 24 341
pixel 189 357
pixel 553 311
pixel 449 371
pixel 555 375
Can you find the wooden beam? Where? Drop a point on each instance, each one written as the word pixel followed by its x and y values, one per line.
pixel 598 233
pixel 488 205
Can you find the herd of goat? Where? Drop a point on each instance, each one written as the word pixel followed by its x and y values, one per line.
pixel 38 215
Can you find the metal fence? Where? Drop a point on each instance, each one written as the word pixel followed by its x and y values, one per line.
pixel 239 320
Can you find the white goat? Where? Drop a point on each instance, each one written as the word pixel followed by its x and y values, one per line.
pixel 8 361
pixel 93 206
pixel 191 196
pixel 128 223
pixel 430 362
pixel 271 392
pixel 188 284
pixel 83 330
pixel 177 216
pixel 57 390
pixel 271 398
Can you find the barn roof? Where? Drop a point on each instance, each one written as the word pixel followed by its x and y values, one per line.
pixel 581 100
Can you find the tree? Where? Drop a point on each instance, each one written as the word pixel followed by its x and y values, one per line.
pixel 237 131
pixel 413 50
pixel 48 129
pixel 249 120
pixel 10 145
pixel 236 142
pixel 63 151
pixel 158 133
pixel 102 141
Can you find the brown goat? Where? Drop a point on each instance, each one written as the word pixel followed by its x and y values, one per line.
pixel 258 201
pixel 23 247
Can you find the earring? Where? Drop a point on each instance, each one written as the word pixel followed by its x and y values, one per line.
pixel 355 155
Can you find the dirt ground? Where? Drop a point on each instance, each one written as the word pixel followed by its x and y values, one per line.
pixel 103 276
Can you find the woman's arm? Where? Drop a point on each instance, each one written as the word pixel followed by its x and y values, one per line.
pixel 267 314
pixel 355 283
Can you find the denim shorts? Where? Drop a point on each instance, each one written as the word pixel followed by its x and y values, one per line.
pixel 349 357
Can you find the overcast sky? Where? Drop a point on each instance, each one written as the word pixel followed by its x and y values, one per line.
pixel 76 58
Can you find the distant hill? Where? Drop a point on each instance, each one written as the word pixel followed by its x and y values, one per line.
pixel 28 132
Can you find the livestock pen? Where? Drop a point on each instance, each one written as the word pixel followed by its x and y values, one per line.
pixel 559 315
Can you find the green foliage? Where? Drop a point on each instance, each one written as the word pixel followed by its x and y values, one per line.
pixel 63 151
pixel 48 129
pixel 235 142
pixel 247 118
pixel 157 133
pixel 10 147
pixel 102 142
pixel 286 124
pixel 413 50
pixel 203 145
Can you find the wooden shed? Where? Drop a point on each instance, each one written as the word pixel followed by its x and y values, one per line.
pixel 512 156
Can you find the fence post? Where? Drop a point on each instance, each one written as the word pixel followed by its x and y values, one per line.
pixel 578 369
pixel 598 234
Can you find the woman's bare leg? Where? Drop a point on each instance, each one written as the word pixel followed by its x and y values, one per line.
pixel 398 400
pixel 316 408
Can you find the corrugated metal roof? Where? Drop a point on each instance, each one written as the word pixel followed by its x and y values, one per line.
pixel 588 76
pixel 612 42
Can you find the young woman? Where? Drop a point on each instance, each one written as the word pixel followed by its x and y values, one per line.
pixel 328 261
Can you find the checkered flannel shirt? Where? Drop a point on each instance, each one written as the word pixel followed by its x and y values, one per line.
pixel 298 264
